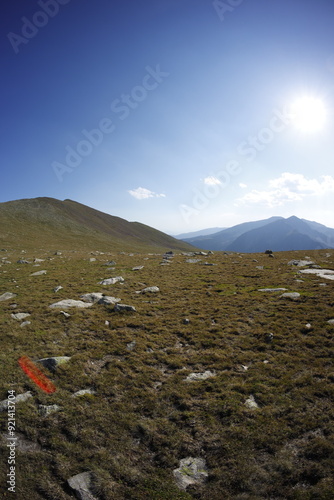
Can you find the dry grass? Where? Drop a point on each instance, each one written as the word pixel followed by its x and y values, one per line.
pixel 144 418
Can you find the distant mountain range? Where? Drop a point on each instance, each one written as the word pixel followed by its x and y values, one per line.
pixel 275 233
pixel 51 223
pixel 202 232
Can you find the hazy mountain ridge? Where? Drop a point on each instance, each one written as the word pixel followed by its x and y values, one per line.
pixel 275 233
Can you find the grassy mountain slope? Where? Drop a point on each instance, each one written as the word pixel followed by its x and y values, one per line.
pixel 50 223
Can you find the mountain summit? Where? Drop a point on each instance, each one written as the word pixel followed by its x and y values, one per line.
pixel 275 233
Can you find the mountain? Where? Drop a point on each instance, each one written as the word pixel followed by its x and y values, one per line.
pixel 202 232
pixel 275 233
pixel 52 223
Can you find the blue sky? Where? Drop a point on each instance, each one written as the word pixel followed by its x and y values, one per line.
pixel 174 113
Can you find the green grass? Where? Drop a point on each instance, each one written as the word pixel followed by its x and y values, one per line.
pixel 144 417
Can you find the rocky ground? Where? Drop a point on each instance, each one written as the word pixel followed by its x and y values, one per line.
pixel 177 376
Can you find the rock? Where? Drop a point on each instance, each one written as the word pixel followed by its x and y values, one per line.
pixel 131 345
pixel 84 392
pixel 25 323
pixel 57 253
pixel 272 289
pixel 65 314
pixel 67 303
pixel 300 263
pixel 7 296
pixel 22 261
pixel 322 273
pixel 186 321
pixel 81 484
pixel 268 252
pixel 109 301
pixel 193 261
pixel 150 289
pixel 92 259
pixel 251 403
pixel 124 307
pixel 57 288
pixel 38 260
pixel 110 263
pixel 200 376
pixel 19 316
pixel 45 410
pixel 20 398
pixel 39 273
pixel 269 338
pixel 308 326
pixel 259 267
pixel 107 323
pixel 291 295
pixel 191 471
pixel 23 444
pixel 330 321
pixel 111 281
pixel 53 362
pixel 137 268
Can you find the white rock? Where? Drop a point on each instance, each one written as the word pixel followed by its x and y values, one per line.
pixel 25 323
pixel 20 398
pixel 46 410
pixel 272 289
pixel 39 273
pixel 57 288
pixel 200 376
pixel 7 296
pixel 322 273
pixel 191 471
pixel 19 316
pixel 83 392
pixel 331 321
pixel 67 303
pixel 124 307
pixel 111 281
pixel 150 289
pixel 291 295
pixel 251 403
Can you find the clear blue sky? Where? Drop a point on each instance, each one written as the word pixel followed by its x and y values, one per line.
pixel 191 100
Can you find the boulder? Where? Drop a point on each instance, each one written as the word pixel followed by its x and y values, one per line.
pixel 19 398
pixel 191 471
pixel 200 376
pixel 272 289
pixel 111 281
pixel 19 316
pixel 251 403
pixel 7 296
pixel 53 362
pixel 67 303
pixel 124 307
pixel 39 273
pixel 81 485
pixel 291 295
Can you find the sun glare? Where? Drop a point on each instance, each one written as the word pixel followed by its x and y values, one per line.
pixel 309 114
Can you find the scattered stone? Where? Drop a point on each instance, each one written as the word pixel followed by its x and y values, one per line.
pixel 265 362
pixel 81 484
pixel 300 263
pixel 109 301
pixel 193 261
pixel 53 362
pixel 92 259
pixel 259 267
pixel 65 314
pixel 38 260
pixel 200 376
pixel 150 289
pixel 23 444
pixel 308 326
pixel 131 345
pixel 38 273
pixel 331 321
pixel 271 255
pixel 25 323
pixel 269 338
pixel 137 268
pixel 7 296
pixel 22 261
pixel 84 392
pixel 251 403
pixel 66 303
pixel 124 307
pixel 186 321
pixel 268 252
pixel 99 298
pixel 111 281
pixel 57 288
pixel 291 295
pixel 322 273
pixel 107 323
pixel 45 410
pixel 19 316
pixel 20 398
pixel 191 471
pixel 272 289
pixel 110 263
pixel 57 253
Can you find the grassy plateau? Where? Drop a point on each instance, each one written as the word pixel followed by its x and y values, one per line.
pixel 143 416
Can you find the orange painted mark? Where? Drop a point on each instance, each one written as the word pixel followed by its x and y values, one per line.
pixel 36 375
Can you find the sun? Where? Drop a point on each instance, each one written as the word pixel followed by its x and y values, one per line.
pixel 308 114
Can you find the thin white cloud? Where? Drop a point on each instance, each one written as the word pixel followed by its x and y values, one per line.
pixel 211 181
pixel 142 193
pixel 287 188
pixel 242 185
